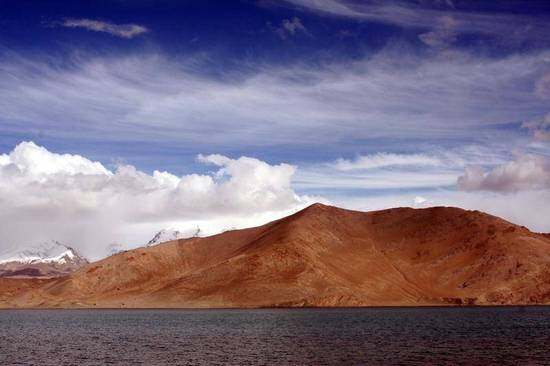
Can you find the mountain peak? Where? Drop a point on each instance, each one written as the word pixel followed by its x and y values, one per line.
pixel 47 252
pixel 165 235
pixel 318 206
pixel 47 259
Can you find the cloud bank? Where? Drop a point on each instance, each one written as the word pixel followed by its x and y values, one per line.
pixel 44 195
pixel 527 172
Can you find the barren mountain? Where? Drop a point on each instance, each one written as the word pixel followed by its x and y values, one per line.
pixel 49 259
pixel 320 256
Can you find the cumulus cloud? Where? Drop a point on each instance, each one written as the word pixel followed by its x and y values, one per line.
pixel 72 199
pixel 118 30
pixel 527 172
pixel 45 195
pixel 381 160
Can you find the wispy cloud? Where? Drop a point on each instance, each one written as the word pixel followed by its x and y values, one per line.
pixel 390 95
pixel 381 160
pixel 443 35
pixel 542 86
pixel 433 169
pixel 417 15
pixel 118 30
pixel 539 127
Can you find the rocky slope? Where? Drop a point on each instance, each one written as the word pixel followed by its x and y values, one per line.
pixel 321 256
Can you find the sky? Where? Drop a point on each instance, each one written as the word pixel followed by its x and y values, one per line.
pixel 121 118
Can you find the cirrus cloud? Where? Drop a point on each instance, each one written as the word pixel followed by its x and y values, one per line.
pixel 422 15
pixel 381 160
pixel 390 95
pixel 119 30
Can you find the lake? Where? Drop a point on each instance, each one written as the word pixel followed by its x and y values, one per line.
pixel 377 336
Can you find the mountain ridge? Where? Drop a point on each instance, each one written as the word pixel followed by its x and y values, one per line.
pixel 322 256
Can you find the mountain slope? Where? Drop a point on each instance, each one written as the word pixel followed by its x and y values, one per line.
pixel 49 259
pixel 322 256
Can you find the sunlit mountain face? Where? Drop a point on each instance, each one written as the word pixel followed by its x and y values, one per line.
pixel 124 119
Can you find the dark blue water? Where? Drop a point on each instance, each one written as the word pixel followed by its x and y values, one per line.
pixel 379 336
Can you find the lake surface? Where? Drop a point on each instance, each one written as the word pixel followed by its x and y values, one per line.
pixel 377 336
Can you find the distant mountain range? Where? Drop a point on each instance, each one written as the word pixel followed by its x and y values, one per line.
pixel 169 235
pixel 48 259
pixel 320 256
pixel 53 259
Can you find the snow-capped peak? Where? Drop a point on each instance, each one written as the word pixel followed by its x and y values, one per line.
pixel 170 234
pixel 47 252
pixel 115 248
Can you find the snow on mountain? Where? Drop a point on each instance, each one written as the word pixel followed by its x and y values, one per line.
pixel 50 252
pixel 115 248
pixel 171 234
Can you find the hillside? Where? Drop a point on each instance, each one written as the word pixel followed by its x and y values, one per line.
pixel 320 256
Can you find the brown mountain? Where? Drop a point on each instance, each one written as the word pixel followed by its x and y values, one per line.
pixel 320 256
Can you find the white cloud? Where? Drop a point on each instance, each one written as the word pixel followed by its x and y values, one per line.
pixel 433 169
pixel 420 201
pixel 408 14
pixel 44 195
pixel 322 179
pixel 290 27
pixel 392 94
pixel 381 160
pixel 527 172
pixel 118 30
pixel 39 162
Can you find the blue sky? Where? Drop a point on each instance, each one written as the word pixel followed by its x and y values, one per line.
pixel 373 104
